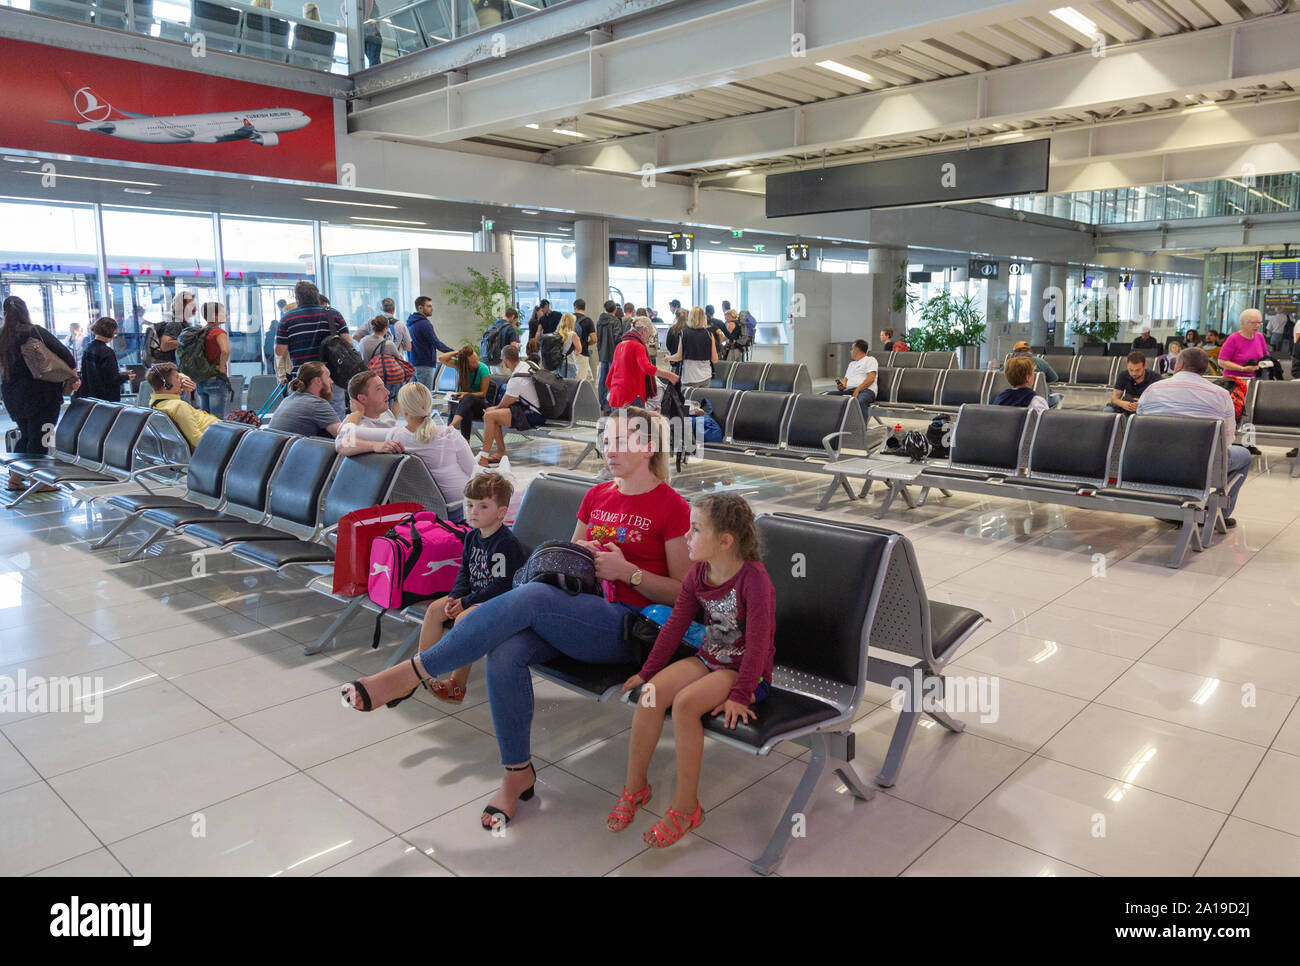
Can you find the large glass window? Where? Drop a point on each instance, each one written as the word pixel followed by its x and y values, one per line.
pixel 527 273
pixel 359 283
pixel 49 259
pixel 151 256
pixel 669 284
pixel 561 273
pixel 630 285
pixel 263 260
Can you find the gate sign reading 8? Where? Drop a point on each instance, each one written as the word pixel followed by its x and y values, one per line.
pixel 796 253
pixel 681 242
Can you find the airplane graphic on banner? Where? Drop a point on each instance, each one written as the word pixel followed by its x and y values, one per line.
pixel 262 126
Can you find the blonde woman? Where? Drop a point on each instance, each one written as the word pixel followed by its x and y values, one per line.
pixel 443 450
pixel 698 351
pixel 572 343
pixel 635 525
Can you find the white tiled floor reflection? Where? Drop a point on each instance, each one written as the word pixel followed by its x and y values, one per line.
pixel 1147 720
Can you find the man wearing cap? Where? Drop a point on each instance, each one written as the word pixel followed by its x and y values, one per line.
pixel 1043 366
pixel 1145 343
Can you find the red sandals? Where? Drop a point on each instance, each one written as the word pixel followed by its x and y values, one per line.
pixel 621 815
pixel 448 690
pixel 661 836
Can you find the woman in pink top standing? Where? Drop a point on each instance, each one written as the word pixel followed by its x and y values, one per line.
pixel 1242 351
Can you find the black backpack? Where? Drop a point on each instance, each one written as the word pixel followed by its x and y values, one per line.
pixel 489 348
pixel 552 349
pixel 673 407
pixel 153 343
pixel 340 356
pixel 552 394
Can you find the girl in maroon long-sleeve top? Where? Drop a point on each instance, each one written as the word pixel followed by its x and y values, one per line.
pixel 731 672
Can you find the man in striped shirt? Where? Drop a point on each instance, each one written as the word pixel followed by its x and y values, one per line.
pixel 302 330
pixel 1188 393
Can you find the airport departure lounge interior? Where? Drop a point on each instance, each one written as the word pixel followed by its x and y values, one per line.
pixel 752 438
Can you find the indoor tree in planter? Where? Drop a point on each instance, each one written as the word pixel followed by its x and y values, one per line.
pixel 1094 317
pixel 485 297
pixel 949 323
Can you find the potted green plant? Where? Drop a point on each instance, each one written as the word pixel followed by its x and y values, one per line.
pixel 1094 317
pixel 949 323
pixel 485 297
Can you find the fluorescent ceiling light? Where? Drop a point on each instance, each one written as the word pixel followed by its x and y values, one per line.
pixel 86 177
pixel 1072 18
pixel 712 242
pixel 354 204
pixel 533 126
pixel 138 191
pixel 566 131
pixel 741 173
pixel 1009 136
pixel 837 67
pixel 654 231
pixel 390 221
pixel 10 157
pixel 530 211
pixel 526 6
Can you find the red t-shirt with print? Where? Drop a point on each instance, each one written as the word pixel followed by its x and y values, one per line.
pixel 640 525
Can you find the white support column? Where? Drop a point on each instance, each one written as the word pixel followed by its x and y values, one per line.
pixel 1040 280
pixel 220 259
pixel 1140 298
pixel 105 294
pixel 884 265
pixel 995 317
pixel 591 236
pixel 1196 302
pixel 1057 283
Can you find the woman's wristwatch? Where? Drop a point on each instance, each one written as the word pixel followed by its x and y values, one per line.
pixel 635 579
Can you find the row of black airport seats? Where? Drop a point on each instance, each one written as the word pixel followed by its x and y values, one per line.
pixel 922 391
pixel 914 360
pixel 98 444
pixel 765 376
pixel 1168 467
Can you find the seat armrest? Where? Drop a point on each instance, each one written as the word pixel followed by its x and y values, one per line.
pixel 826 442
pixel 156 467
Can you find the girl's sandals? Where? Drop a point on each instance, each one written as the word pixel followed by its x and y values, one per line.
pixel 367 704
pixel 491 813
pixel 661 836
pixel 621 815
pixel 448 690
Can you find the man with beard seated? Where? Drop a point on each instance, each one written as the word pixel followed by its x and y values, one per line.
pixel 307 410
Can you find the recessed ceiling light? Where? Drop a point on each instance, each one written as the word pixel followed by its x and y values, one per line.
pixel 1072 18
pixel 10 157
pixel 741 173
pixel 528 211
pixel 533 126
pixel 86 177
pixel 354 204
pixel 847 71
pixel 712 242
pixel 390 221
pixel 138 191
pixel 566 131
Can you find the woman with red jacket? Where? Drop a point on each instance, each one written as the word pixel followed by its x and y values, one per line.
pixel 631 379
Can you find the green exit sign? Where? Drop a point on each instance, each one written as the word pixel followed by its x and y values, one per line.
pixel 759 248
pixel 487 224
pixel 737 233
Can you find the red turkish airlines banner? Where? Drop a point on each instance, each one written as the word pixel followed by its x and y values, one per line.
pixel 70 102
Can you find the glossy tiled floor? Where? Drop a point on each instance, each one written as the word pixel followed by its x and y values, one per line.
pixel 1148 719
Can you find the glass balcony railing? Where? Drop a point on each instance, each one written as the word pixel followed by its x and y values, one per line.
pixel 1227 197
pixel 394 28
pixel 302 39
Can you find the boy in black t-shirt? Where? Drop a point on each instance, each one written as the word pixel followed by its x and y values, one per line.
pixel 1130 385
pixel 488 563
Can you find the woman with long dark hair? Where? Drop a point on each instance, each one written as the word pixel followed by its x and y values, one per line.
pixel 472 380
pixel 101 376
pixel 32 403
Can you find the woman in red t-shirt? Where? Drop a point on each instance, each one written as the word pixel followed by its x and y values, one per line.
pixel 635 526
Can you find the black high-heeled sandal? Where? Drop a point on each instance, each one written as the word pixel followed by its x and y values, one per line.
pixel 367 705
pixel 525 796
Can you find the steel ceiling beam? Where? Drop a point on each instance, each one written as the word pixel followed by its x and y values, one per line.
pixel 670 49
pixel 1259 52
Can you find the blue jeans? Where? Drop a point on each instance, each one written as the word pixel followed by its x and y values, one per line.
pixel 1238 463
pixel 211 395
pixel 526 626
pixel 601 389
pixel 1054 399
pixel 424 376
pixel 865 399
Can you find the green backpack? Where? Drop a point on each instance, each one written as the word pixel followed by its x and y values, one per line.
pixel 193 361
